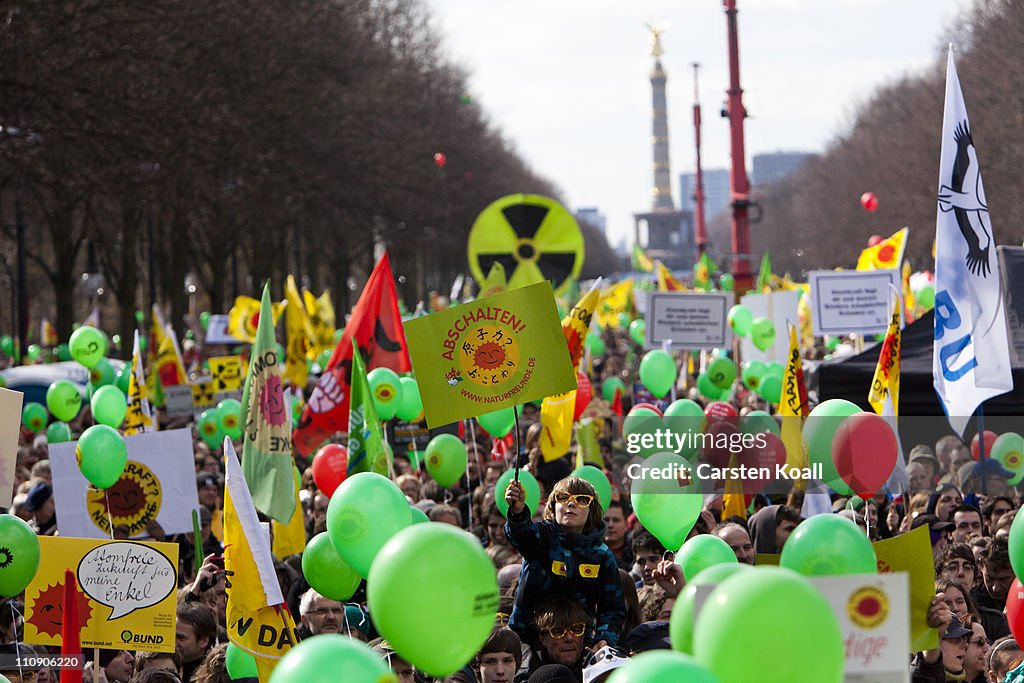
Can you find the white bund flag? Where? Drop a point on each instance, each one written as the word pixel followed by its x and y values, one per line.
pixel 971 360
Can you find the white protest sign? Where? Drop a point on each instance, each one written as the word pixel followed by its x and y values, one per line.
pixel 217 331
pixel 851 301
pixel 10 425
pixel 126 576
pixel 874 620
pixel 688 320
pixel 159 482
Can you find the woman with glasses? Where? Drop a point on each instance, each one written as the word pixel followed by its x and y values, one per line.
pixel 976 659
pixel 565 556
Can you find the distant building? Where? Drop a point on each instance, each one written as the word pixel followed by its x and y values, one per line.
pixel 776 165
pixel 593 216
pixel 716 192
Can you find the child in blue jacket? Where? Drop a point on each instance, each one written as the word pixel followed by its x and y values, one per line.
pixel 565 556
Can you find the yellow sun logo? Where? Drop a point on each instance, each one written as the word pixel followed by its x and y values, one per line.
pixel 489 355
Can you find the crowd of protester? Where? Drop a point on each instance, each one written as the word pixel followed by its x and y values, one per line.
pixel 582 588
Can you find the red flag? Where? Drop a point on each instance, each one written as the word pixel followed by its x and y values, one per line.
pixel 617 402
pixel 376 327
pixel 70 629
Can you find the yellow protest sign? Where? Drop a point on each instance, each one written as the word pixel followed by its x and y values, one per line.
pixel 126 593
pixel 227 373
pixel 912 553
pixel 202 395
pixel 495 352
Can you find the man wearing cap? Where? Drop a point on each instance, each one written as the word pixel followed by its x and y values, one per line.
pixel 938 529
pixel 403 670
pixel 932 666
pixel 40 503
pixel 118 665
pixel 924 455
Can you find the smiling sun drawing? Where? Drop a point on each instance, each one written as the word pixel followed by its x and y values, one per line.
pixel 489 355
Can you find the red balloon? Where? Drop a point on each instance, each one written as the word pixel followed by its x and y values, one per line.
pixel 864 452
pixel 584 392
pixel 330 467
pixel 720 411
pixel 874 239
pixel 990 438
pixel 869 200
pixel 440 159
pixel 1015 609
pixel 649 406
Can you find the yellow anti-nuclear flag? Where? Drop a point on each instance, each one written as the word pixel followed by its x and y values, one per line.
pixel 886 381
pixel 290 538
pixel 667 282
pixel 244 316
pixel 556 412
pixel 138 417
pixel 496 281
pixel 614 302
pixel 886 254
pixel 257 620
pixel 300 335
pixel 793 404
pixel 322 318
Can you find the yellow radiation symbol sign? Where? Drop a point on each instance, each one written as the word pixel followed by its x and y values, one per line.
pixel 534 238
pixel 868 607
pixel 132 502
pixel 489 355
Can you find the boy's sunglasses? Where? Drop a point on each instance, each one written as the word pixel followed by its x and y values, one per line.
pixel 582 500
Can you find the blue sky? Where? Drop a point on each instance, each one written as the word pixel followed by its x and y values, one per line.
pixel 567 80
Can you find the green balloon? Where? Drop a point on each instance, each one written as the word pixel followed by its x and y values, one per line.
pixel 624 320
pixel 1016 544
pixel 759 422
pixel 34 351
pixel 123 378
pixel 683 417
pixel 1008 449
pixel 610 386
pixel 926 296
pixel 410 404
pixel 446 459
pixel 229 418
pixel 364 513
pixel 326 571
pixel 324 358
pixel 742 615
pixel 770 389
pixel 658 372
pixel 102 455
pixel 776 369
pixel 63 352
pixel 762 333
pixel 594 344
pixel 707 388
pixel 7 345
pixel 204 319
pixel 208 426
pixel 418 516
pixel 656 666
pixel 499 423
pixel 722 372
pixel 727 282
pixel 829 545
pixel 665 508
pixel 109 406
pixel 330 658
pixel 439 621
pixel 684 407
pixel 102 373
pixel 19 555
pixel 819 428
pixel 88 345
pixel 596 478
pixel 740 319
pixel 58 432
pixel 641 421
pixel 703 551
pixel 531 490
pixel 239 663
pixel 680 626
pixel 386 389
pixel 33 417
pixel 63 400
pixel 752 373
pixel 832 343
pixel 638 331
